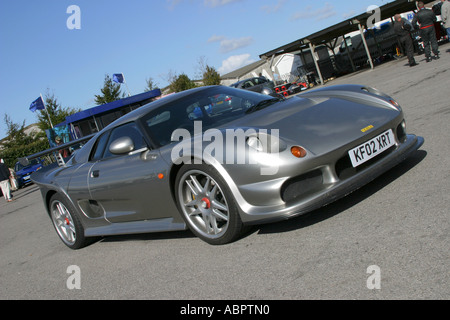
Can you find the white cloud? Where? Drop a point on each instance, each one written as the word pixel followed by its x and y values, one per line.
pixel 273 8
pixel 317 14
pixel 228 45
pixel 218 3
pixel 235 62
pixel 216 38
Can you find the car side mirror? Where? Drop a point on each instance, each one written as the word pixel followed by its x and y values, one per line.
pixel 121 145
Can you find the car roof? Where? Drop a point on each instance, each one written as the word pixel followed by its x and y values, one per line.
pixel 137 113
pixel 83 153
pixel 241 81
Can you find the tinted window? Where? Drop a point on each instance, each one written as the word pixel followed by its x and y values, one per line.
pixel 19 166
pixel 259 80
pixel 247 84
pixel 213 107
pixel 99 147
pixel 128 130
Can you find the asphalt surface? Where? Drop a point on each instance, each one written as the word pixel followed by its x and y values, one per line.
pixel 398 226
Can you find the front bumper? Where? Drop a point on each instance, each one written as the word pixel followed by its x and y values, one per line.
pixel 333 191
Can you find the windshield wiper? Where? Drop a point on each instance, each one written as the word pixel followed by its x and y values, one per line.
pixel 261 105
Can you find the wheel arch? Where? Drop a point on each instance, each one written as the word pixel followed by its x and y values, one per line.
pixel 48 196
pixel 210 161
pixel 51 192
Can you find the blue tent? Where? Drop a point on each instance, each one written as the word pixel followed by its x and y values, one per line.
pixel 112 106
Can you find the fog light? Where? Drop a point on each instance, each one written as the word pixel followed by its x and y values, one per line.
pixel 298 152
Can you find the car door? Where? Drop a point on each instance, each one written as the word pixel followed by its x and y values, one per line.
pixel 127 185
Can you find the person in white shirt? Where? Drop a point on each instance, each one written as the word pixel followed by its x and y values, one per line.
pixel 445 15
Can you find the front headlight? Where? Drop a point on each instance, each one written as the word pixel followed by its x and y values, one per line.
pixel 255 143
pixel 268 143
pixel 374 91
pixel 385 97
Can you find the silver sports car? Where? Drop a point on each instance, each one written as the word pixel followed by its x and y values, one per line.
pixel 216 159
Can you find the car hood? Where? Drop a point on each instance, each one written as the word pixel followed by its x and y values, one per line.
pixel 28 170
pixel 321 124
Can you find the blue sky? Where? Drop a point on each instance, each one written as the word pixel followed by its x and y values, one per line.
pixel 142 39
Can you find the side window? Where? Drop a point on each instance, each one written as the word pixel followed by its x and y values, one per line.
pixel 159 118
pixel 128 130
pixel 159 125
pixel 99 147
pixel 247 84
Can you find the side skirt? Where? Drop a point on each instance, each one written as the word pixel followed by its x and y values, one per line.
pixel 133 227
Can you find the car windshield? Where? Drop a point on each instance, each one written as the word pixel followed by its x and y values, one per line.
pixel 19 166
pixel 214 107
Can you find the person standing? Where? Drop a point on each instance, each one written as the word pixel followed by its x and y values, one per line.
pixel 402 29
pixel 4 181
pixel 63 152
pixel 445 15
pixel 424 21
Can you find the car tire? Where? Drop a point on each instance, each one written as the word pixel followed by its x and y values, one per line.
pixel 207 205
pixel 67 223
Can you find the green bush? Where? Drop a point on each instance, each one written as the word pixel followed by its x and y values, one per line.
pixel 10 155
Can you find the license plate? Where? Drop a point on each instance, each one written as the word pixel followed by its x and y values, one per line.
pixel 26 178
pixel 371 148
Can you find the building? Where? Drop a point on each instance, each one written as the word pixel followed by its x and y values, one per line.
pixel 92 120
pixel 325 53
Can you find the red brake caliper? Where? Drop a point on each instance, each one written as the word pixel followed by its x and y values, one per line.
pixel 206 204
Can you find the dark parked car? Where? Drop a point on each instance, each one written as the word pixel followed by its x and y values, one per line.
pixel 23 172
pixel 181 162
pixel 256 84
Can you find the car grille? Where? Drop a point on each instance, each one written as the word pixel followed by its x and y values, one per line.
pixel 301 185
pixel 313 181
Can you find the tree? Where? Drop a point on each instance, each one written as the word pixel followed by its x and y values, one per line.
pixel 208 74
pixel 55 111
pixel 211 76
pixel 110 92
pixel 16 135
pixel 151 85
pixel 181 83
pixel 200 69
pixel 19 144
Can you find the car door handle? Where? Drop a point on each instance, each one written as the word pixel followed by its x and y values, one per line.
pixel 95 174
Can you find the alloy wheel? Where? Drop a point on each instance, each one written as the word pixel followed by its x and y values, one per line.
pixel 204 204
